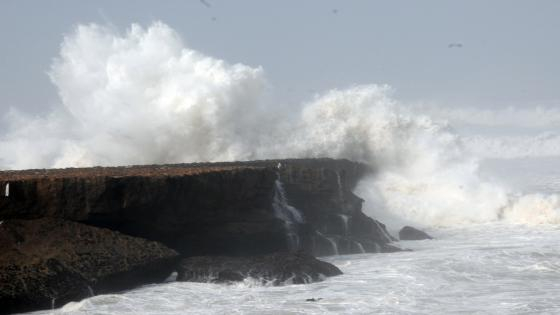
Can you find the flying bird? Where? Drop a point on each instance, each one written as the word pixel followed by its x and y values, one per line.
pixel 206 3
pixel 455 45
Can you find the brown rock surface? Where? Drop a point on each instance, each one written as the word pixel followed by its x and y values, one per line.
pixel 51 261
pixel 206 208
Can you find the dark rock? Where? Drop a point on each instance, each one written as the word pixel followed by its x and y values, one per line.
pixel 48 262
pixel 276 269
pixel 409 233
pixel 206 208
pixel 196 210
pixel 335 223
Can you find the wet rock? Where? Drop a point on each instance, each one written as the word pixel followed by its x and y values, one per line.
pixel 322 190
pixel 49 262
pixel 409 233
pixel 198 209
pixel 207 208
pixel 276 269
pixel 194 209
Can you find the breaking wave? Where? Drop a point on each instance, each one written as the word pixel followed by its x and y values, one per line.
pixel 145 97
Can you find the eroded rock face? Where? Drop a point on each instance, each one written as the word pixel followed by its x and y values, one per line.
pixel 196 210
pixel 70 232
pixel 49 262
pixel 334 221
pixel 408 233
pixel 208 209
pixel 275 269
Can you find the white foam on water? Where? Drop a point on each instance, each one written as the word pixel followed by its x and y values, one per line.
pixel 482 269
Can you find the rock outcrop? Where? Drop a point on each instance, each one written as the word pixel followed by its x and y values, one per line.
pixel 197 210
pixel 66 233
pixel 48 262
pixel 408 233
pixel 274 269
pixel 334 221
pixel 233 209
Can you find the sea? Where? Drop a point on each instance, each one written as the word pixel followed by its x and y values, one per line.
pixel 493 267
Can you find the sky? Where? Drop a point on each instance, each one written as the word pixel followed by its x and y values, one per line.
pixel 487 54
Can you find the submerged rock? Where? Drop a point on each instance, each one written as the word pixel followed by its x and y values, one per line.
pixel 409 233
pixel 48 262
pixel 275 269
pixel 313 300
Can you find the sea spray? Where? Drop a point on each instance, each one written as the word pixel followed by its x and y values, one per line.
pixel 138 98
pixel 144 97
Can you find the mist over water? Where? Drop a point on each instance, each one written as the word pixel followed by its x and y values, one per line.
pixel 144 96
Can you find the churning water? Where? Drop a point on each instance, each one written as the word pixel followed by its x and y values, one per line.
pixel 485 269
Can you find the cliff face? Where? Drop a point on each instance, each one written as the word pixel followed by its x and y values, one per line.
pixel 210 211
pixel 334 221
pixel 240 208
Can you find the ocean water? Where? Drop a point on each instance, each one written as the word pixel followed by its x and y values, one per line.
pixel 495 267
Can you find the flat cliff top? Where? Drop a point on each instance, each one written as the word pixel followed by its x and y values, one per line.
pixel 120 171
pixel 172 169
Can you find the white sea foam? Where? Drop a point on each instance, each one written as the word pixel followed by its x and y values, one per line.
pixel 146 97
pixel 533 209
pixel 486 269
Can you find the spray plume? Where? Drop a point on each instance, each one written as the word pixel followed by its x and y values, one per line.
pixel 145 97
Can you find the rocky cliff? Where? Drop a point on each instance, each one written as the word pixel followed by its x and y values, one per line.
pixel 68 233
pixel 239 208
pixel 195 209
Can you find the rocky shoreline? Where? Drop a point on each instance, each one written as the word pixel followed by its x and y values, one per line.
pixel 70 233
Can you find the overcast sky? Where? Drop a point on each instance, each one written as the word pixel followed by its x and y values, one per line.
pixel 475 53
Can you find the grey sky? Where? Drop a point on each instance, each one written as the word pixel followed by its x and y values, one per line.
pixel 509 53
